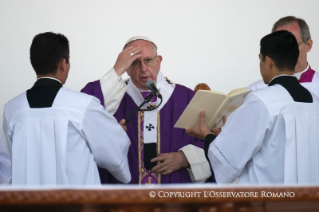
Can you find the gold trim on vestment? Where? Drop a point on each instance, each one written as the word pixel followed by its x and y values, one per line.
pixel 141 141
pixel 159 141
pixel 139 147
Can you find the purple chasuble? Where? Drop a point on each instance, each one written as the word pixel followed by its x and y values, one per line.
pixel 171 139
pixel 307 76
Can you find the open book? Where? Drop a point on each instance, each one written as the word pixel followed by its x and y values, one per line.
pixel 215 104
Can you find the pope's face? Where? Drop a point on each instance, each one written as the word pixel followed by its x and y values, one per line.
pixel 147 66
pixel 303 47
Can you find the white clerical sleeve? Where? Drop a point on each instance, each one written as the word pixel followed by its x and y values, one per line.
pixel 240 139
pixel 199 170
pixel 5 164
pixel 107 140
pixel 113 89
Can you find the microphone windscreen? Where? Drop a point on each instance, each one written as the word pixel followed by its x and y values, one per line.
pixel 148 84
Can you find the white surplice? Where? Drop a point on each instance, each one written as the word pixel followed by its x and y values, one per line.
pixel 312 86
pixel 114 88
pixel 270 139
pixel 5 164
pixel 64 143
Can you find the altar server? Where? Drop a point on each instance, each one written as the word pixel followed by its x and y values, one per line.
pixel 273 137
pixel 58 136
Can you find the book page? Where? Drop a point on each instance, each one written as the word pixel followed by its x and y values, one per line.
pixel 209 101
pixel 237 91
pixel 209 91
pixel 219 113
pixel 230 105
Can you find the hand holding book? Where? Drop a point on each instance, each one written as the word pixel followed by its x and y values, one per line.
pixel 216 106
pixel 201 130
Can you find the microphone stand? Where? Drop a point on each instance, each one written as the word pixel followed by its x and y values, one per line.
pixel 146 100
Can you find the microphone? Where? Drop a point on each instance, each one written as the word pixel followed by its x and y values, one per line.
pixel 151 85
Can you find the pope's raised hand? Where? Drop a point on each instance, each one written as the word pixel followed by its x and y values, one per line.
pixel 125 59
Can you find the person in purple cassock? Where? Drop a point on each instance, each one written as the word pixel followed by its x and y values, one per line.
pixel 159 153
pixel 306 76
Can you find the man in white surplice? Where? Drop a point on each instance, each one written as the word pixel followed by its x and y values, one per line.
pixel 273 137
pixel 57 136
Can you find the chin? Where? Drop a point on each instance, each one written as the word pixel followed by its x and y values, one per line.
pixel 141 85
pixel 144 80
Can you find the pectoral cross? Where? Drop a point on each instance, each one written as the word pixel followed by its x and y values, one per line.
pixel 150 127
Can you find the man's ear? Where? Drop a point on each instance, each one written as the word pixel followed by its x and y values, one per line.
pixel 159 61
pixel 309 45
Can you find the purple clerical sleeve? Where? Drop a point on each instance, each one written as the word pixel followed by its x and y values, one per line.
pixel 94 89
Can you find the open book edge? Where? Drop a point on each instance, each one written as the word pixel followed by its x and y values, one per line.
pixel 213 103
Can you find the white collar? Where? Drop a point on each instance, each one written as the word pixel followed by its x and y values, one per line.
pixel 50 78
pixel 280 76
pixel 298 75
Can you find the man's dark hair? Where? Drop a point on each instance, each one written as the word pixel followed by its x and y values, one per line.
pixel 282 48
pixel 47 50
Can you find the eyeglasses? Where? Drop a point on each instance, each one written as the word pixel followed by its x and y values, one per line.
pixel 148 61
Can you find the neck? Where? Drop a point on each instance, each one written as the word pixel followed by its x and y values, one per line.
pixel 283 73
pixel 301 69
pixel 277 72
pixel 52 76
